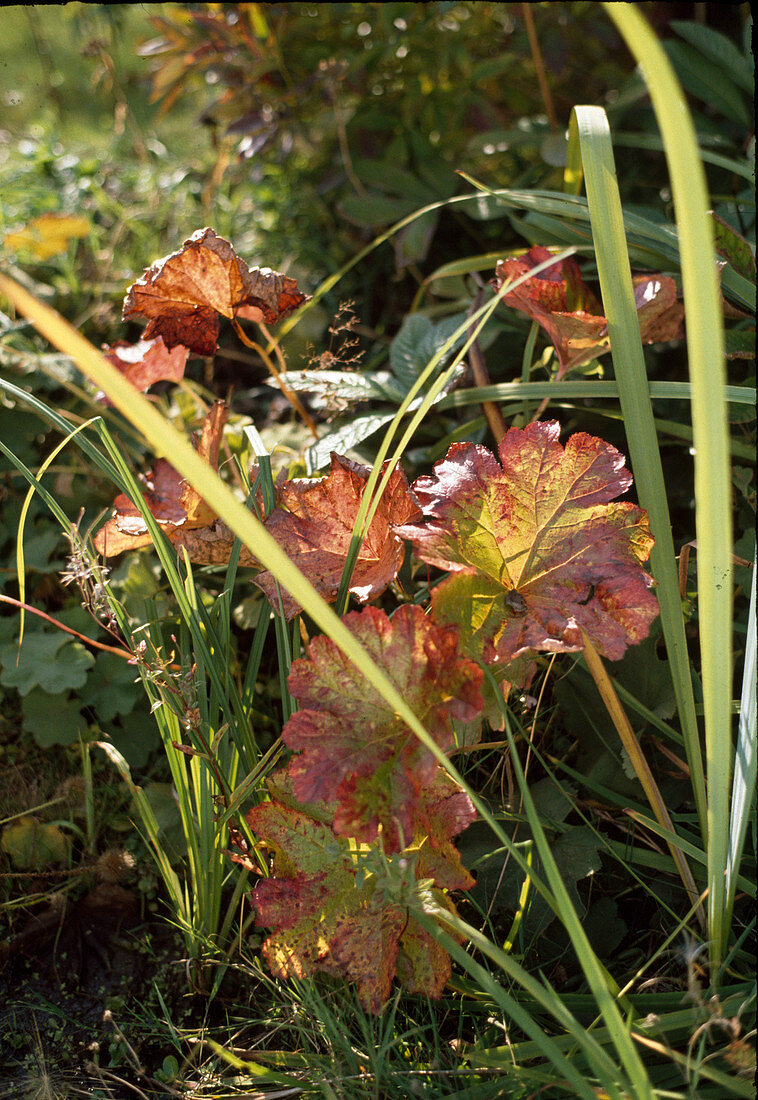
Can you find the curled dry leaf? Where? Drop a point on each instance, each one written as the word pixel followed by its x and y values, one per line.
pixel 183 294
pixel 314 525
pixel 564 306
pixel 344 910
pixel 178 508
pixel 536 550
pixel 146 362
pixel 353 748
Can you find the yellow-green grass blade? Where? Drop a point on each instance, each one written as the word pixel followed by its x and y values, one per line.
pixel 591 154
pixel 20 570
pixel 713 519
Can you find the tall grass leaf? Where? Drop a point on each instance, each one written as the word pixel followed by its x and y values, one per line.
pixel 590 137
pixel 20 570
pixel 746 764
pixel 707 367
pixel 596 975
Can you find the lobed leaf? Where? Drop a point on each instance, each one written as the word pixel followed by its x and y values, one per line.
pixel 564 306
pixel 146 362
pixel 353 749
pixel 183 294
pixel 177 507
pixel 314 525
pixel 536 551
pixel 343 910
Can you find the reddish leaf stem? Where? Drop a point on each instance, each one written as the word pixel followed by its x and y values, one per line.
pixel 126 653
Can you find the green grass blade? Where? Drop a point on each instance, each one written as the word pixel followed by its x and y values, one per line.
pixel 590 137
pixel 542 995
pixel 746 763
pixel 713 519
pixel 596 975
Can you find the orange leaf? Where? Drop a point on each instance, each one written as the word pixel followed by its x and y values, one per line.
pixel 146 362
pixel 315 524
pixel 563 305
pixel 183 294
pixel 179 509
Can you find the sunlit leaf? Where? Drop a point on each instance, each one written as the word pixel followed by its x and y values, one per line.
pixel 146 362
pixel 536 550
pixel 564 306
pixel 343 910
pixel 183 295
pixel 314 524
pixel 353 749
pixel 178 508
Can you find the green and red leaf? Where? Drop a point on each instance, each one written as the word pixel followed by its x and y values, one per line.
pixel 353 749
pixel 537 548
pixel 314 525
pixel 565 307
pixel 343 909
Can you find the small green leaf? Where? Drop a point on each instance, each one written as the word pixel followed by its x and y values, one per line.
pixel 719 49
pixel 389 178
pixel 166 810
pixel 345 437
pixel 33 845
pixel 707 81
pixel 49 661
pixel 52 719
pixel 112 687
pixel 412 243
pixel 135 736
pixel 604 927
pixel 417 342
pixel 374 211
pixel 732 247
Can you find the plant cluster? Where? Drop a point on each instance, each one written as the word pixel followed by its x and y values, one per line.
pixel 538 559
pixel 424 787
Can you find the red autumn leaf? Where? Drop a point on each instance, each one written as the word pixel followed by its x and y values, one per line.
pixel 561 302
pixel 178 508
pixel 146 362
pixel 183 294
pixel 536 551
pixel 353 748
pixel 659 313
pixel 344 910
pixel 314 525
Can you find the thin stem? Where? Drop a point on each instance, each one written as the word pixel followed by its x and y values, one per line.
pixel 291 396
pixel 641 767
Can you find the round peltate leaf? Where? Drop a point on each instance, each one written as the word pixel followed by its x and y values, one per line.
pixel 32 845
pixel 112 687
pixel 52 719
pixel 49 661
